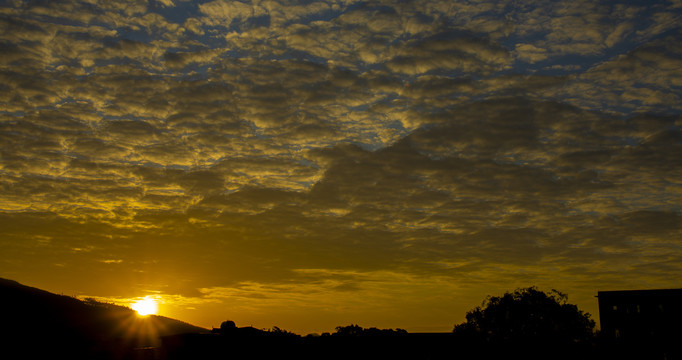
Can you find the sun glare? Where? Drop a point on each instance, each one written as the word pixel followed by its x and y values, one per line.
pixel 146 306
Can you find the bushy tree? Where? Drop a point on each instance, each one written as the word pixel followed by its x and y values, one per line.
pixel 526 316
pixel 281 332
pixel 356 330
pixel 349 330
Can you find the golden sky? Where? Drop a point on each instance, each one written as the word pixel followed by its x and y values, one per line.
pixel 309 164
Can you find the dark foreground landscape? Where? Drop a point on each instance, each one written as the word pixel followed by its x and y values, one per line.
pixel 527 324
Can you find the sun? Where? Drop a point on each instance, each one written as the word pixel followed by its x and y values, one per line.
pixel 146 306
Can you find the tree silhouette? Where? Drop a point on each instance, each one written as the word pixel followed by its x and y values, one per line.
pixel 349 330
pixel 277 331
pixel 357 330
pixel 527 317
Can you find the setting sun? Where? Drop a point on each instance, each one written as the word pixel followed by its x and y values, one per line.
pixel 146 306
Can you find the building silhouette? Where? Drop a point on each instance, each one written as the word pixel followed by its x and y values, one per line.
pixel 642 322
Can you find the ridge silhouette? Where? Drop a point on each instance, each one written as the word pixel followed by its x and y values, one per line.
pixel 43 325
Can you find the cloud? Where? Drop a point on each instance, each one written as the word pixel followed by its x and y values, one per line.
pixel 182 59
pixel 167 3
pixel 640 78
pixel 450 52
pixel 225 12
pixel 530 53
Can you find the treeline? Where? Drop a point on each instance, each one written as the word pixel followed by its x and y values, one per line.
pixel 526 323
pixel 230 328
pixel 347 342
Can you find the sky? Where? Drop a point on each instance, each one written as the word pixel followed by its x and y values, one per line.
pixel 312 164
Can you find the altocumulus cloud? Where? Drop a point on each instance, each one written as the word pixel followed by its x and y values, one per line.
pixel 284 153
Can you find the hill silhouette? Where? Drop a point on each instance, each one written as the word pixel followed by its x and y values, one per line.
pixel 40 324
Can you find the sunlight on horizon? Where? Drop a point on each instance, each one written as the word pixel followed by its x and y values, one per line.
pixel 146 306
